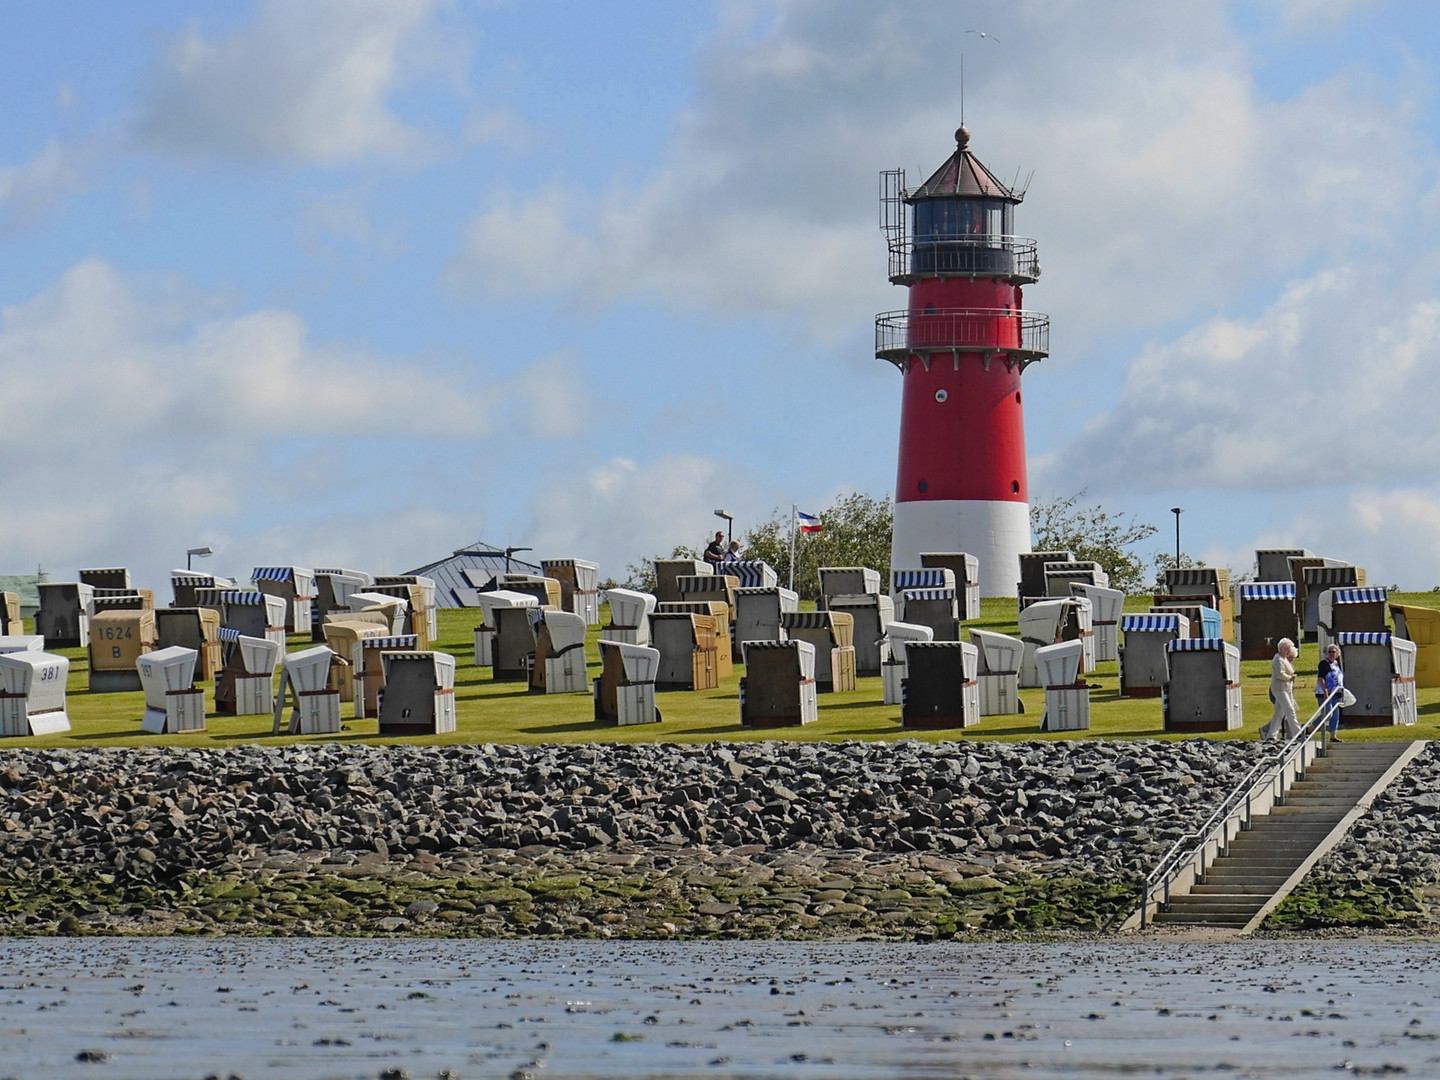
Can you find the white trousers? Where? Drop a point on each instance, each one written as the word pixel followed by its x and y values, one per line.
pixel 1284 717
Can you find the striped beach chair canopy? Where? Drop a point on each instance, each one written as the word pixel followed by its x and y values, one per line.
pixel 394 641
pixel 273 573
pixel 242 596
pixel 928 594
pixel 1358 637
pixel 1367 595
pixel 933 577
pixel 1154 623
pixel 753 573
pixel 1267 590
pixel 1198 644
pixel 809 620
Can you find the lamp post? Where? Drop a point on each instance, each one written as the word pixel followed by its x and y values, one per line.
pixel 1177 511
pixel 730 522
pixel 511 551
pixel 193 553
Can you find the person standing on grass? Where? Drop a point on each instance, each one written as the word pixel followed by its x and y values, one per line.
pixel 1282 690
pixel 1330 679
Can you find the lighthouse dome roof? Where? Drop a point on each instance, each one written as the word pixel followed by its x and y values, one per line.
pixel 963 175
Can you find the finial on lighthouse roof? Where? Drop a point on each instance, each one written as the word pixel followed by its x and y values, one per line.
pixel 962 136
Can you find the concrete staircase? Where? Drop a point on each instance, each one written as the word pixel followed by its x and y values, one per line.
pixel 1269 859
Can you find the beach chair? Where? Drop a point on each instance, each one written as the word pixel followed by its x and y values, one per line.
pixel 893 669
pixel 998 672
pixel 687 646
pixel 1067 697
pixel 32 693
pixel 1350 610
pixel 293 584
pixel 172 700
pixel 1144 669
pixel 846 581
pixel 246 683
pixel 511 618
pixel 778 689
pixel 625 690
pixel 419 694
pixel 832 633
pixel 195 628
pixel 720 613
pixel 1203 690
pixel 117 640
pixel 316 708
pixel 579 586
pixel 940 689
pixel 966 569
pixel 63 618
pixel 757 613
pixel 1380 672
pixel 559 666
pixel 872 613
pixel 1266 613
pixel 667 570
pixel 630 613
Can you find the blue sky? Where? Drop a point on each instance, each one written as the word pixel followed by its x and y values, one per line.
pixel 357 282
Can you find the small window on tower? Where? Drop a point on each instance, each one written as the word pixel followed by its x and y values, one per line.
pixel 1015 487
pixel 1017 397
pixel 924 486
pixel 929 309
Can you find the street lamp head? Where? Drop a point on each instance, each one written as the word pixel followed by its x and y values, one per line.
pixel 1177 509
pixel 200 552
pixel 723 514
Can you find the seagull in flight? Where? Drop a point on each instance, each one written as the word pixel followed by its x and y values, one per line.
pixel 983 34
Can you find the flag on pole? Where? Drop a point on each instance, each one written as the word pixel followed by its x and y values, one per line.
pixel 808 522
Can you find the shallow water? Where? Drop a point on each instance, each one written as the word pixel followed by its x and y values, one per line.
pixel 158 1007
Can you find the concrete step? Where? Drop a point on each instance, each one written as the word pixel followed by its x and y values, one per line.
pixel 1231 888
pixel 1200 918
pixel 1218 905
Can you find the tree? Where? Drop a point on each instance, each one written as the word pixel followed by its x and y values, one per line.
pixel 856 532
pixel 1093 533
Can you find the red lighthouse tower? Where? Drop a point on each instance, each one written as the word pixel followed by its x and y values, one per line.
pixel 961 344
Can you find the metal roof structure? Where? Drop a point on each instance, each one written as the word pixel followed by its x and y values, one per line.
pixel 451 588
pixel 964 175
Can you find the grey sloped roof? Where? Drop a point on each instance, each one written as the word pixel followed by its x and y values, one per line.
pixel 25 585
pixel 451 588
pixel 963 174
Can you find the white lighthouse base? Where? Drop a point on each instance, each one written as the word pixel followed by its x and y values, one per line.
pixel 996 533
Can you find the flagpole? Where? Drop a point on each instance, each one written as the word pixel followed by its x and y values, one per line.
pixel 794 509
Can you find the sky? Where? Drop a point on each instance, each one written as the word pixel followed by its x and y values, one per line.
pixel 357 282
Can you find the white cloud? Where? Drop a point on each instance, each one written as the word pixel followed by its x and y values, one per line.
pixel 1333 384
pixel 307 82
pixel 1165 181
pixel 141 420
pixel 619 511
pixel 1389 532
pixel 31 188
pixel 553 397
pixel 1302 15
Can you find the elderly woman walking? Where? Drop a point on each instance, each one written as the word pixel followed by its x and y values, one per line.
pixel 1330 679
pixel 1282 690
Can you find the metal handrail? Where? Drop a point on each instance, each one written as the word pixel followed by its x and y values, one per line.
pixel 1025 335
pixel 1264 772
pixel 962 255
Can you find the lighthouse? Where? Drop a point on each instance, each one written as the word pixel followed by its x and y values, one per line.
pixel 961 345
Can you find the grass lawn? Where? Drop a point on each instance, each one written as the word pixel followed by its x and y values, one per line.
pixel 508 713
